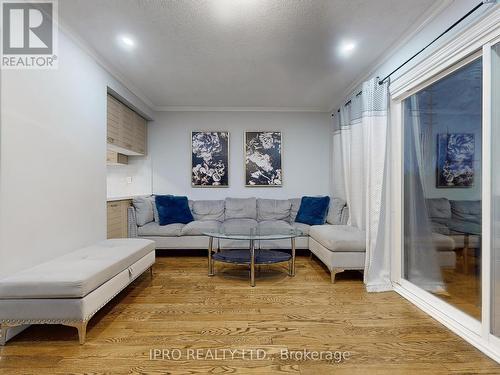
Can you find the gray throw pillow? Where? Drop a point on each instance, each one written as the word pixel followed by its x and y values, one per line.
pixel 143 210
pixel 335 211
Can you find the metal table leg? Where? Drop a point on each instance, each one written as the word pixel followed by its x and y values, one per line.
pixel 252 263
pixel 210 261
pixel 291 271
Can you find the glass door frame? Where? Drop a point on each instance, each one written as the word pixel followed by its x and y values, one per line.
pixel 472 43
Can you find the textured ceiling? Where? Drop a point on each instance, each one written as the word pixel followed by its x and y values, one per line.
pixel 241 53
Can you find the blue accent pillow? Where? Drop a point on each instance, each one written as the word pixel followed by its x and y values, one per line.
pixel 313 210
pixel 173 210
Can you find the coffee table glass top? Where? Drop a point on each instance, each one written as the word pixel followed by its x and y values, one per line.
pixel 254 234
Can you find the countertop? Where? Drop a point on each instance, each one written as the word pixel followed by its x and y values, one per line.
pixel 125 197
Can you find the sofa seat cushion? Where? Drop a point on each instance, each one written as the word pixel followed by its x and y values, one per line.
pixel 241 208
pixel 196 228
pixel 274 227
pixel 155 229
pixel 442 242
pixel 343 238
pixel 304 228
pixel 208 210
pixel 273 209
pixel 239 226
pixel 76 274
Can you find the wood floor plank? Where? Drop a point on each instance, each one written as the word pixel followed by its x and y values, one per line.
pixel 182 308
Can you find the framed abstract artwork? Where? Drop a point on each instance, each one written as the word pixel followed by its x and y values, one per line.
pixel 455 160
pixel 210 159
pixel 263 159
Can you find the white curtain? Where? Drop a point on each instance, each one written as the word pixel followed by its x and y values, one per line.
pixel 360 146
pixel 421 257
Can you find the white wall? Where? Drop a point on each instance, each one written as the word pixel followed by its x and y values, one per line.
pixel 52 158
pixel 306 152
pixel 138 169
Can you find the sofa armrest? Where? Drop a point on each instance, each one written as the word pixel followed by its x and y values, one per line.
pixel 132 222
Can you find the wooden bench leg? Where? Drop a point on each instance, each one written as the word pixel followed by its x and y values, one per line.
pixel 82 330
pixel 334 272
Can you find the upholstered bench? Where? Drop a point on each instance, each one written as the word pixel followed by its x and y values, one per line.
pixel 70 289
pixel 339 247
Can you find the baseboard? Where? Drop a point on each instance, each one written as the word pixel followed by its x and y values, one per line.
pixel 471 337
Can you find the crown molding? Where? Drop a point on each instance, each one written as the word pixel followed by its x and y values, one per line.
pixel 86 48
pixel 428 16
pixel 238 109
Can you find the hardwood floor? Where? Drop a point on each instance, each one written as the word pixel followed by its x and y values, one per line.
pixel 182 308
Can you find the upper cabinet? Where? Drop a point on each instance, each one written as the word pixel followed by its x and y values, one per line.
pixel 126 129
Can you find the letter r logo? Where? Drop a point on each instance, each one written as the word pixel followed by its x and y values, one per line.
pixel 27 28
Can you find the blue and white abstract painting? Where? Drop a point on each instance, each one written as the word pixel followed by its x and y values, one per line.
pixel 210 159
pixel 455 160
pixel 263 158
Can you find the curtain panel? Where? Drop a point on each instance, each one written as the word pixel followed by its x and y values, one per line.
pixel 360 149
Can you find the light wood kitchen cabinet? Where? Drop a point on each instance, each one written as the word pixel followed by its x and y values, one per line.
pixel 126 129
pixel 117 218
pixel 115 158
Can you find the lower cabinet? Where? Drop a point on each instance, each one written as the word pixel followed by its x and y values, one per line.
pixel 117 218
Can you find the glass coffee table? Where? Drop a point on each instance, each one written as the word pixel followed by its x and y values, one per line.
pixel 252 256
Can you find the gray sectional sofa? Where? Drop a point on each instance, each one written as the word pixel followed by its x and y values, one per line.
pixel 454 218
pixel 458 221
pixel 336 244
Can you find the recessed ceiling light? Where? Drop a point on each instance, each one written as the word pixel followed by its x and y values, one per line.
pixel 346 48
pixel 126 41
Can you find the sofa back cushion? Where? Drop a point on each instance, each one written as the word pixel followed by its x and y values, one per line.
pixel 173 210
pixel 294 208
pixel 439 208
pixel 313 210
pixel 241 208
pixel 335 211
pixel 208 210
pixel 273 209
pixel 466 211
pixel 143 210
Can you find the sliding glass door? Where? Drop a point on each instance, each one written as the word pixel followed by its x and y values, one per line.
pixel 442 167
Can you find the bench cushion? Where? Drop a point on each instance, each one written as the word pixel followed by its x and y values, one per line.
pixel 76 274
pixel 339 237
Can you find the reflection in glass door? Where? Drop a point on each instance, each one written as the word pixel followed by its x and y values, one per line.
pixel 442 188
